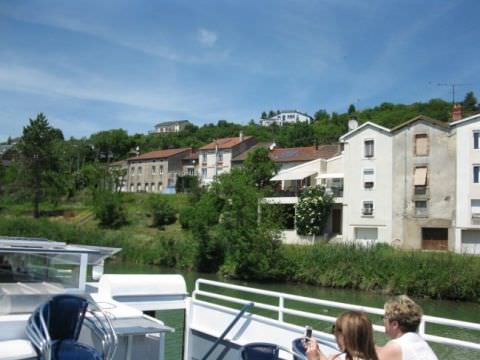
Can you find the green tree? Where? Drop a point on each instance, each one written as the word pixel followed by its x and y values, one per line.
pixel 321 115
pixel 39 159
pixel 109 209
pixel 260 167
pixel 111 145
pixel 162 212
pixel 271 113
pixel 351 109
pixel 312 211
pixel 470 103
pixel 264 115
pixel 252 246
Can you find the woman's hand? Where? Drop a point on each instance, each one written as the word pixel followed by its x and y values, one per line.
pixel 313 351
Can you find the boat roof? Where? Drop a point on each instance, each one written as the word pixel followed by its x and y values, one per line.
pixel 11 244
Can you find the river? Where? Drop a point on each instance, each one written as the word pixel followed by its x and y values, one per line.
pixel 449 309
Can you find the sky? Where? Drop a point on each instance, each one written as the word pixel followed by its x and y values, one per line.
pixel 106 64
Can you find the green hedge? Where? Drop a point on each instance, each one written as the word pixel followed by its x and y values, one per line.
pixel 439 275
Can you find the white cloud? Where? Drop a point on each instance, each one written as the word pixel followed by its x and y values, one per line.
pixel 207 38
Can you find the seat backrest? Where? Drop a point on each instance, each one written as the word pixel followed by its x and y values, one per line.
pixel 64 315
pixel 260 351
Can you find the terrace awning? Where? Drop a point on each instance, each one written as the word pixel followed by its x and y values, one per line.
pixel 330 176
pixel 293 175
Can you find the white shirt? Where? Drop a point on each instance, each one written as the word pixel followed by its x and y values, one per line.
pixel 414 347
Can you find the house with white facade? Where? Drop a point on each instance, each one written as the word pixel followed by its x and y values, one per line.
pixel 367 194
pixel 326 169
pixel 424 182
pixel 216 157
pixel 467 219
pixel 170 126
pixel 287 117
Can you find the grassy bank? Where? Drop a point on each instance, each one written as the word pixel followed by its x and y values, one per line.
pixel 381 268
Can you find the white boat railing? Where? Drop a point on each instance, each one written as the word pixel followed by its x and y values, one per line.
pixel 282 310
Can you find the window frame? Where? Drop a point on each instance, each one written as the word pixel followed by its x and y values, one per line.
pixel 476 139
pixel 418 136
pixel 366 154
pixel 366 214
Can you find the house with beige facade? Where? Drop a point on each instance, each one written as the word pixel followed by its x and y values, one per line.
pixel 216 157
pixel 156 171
pixel 424 184
pixel 467 219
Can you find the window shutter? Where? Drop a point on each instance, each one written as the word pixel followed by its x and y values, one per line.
pixel 420 176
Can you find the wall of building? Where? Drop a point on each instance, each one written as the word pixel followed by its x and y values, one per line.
pixel 355 194
pixel 440 196
pixel 467 228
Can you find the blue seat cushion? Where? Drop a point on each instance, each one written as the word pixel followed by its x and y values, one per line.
pixel 260 351
pixel 73 350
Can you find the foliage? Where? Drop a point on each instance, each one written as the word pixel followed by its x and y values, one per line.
pixel 162 212
pixel 260 167
pixel 39 163
pixel 109 209
pixel 312 211
pixel 470 103
pixel 185 216
pixel 111 145
pixel 186 183
pixel 296 134
pixel 251 247
pixel 438 275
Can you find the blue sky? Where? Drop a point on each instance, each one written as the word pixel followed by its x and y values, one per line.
pixel 98 65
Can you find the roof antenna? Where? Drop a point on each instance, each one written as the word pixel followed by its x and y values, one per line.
pixel 452 84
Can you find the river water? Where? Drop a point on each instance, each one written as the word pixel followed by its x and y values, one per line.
pixel 449 309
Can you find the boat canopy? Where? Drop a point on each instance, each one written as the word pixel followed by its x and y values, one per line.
pixel 96 254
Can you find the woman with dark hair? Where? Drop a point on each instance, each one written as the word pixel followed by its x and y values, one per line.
pixel 354 334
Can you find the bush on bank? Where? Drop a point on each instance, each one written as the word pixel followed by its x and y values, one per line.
pixel 438 275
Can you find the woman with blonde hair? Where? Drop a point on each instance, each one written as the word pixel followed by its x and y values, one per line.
pixel 354 334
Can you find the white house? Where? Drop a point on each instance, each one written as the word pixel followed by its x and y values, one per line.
pixel 467 219
pixel 367 195
pixel 216 157
pixel 287 117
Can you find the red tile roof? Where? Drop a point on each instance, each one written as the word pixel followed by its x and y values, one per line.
pixel 225 143
pixel 160 154
pixel 307 153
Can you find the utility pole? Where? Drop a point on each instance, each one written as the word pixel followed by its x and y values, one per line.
pixel 452 85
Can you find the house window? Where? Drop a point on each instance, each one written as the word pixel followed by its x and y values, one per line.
pixel 420 180
pixel 421 144
pixel 369 148
pixel 160 169
pixel 132 170
pixel 220 156
pixel 367 208
pixel 475 207
pixel 421 208
pixel 139 170
pixel 146 187
pixel 152 187
pixel 476 139
pixel 159 186
pixel 191 171
pixel 204 173
pixel 132 188
pixel 476 173
pixel 368 179
pixel 154 170
pixel 139 187
pixel 171 182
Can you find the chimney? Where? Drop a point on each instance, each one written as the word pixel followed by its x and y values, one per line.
pixel 241 136
pixel 316 145
pixel 272 146
pixel 457 112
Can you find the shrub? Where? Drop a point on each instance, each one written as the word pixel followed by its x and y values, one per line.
pixel 162 212
pixel 312 211
pixel 109 210
pixel 185 216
